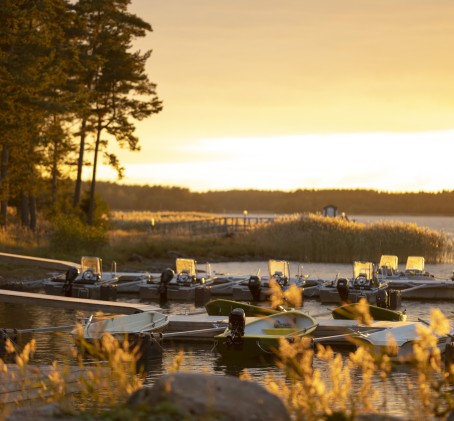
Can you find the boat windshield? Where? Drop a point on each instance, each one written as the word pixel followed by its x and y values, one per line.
pixel 186 266
pixel 415 263
pixel 91 263
pixel 363 270
pixel 390 262
pixel 278 267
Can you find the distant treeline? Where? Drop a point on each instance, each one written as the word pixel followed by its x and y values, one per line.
pixel 159 198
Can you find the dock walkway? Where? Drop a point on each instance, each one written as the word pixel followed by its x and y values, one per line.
pixel 51 264
pixel 70 303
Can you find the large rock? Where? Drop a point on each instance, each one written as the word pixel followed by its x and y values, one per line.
pixel 201 396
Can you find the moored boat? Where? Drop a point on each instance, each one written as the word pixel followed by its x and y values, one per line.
pixel 221 307
pixel 363 284
pixel 257 288
pixel 350 312
pixel 125 325
pixel 90 281
pixel 261 336
pixel 397 342
pixel 176 285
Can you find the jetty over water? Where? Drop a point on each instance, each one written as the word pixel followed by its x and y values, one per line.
pixel 50 264
pixel 70 303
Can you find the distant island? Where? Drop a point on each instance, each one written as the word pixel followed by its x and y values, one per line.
pixel 350 201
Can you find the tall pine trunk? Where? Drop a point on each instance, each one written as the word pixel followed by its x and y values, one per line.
pixel 80 164
pixel 24 210
pixel 91 208
pixel 4 185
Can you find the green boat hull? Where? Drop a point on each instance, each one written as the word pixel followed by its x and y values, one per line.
pixel 348 312
pixel 262 335
pixel 224 307
pixel 250 347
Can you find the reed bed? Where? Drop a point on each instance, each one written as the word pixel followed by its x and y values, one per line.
pixel 315 238
pixel 304 238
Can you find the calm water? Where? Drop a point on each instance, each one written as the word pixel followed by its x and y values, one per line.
pixel 201 357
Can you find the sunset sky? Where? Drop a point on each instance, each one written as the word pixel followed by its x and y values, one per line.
pixel 298 94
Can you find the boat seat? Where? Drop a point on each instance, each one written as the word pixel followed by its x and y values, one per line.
pixel 279 330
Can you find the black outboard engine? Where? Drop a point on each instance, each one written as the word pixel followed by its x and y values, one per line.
pixel 395 299
pixel 342 289
pixel 382 298
pixel 71 275
pixel 166 276
pixel 255 286
pixel 282 281
pixel 237 321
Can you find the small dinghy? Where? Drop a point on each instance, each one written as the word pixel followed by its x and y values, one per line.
pixel 223 307
pixel 397 342
pixel 121 326
pixel 261 336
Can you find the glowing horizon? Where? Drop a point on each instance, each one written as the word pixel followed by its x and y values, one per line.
pixel 297 94
pixel 334 161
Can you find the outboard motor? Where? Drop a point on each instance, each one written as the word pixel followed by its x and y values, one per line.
pixel 342 289
pixel 282 281
pixel 237 321
pixel 382 298
pixel 254 286
pixel 395 299
pixel 166 276
pixel 71 275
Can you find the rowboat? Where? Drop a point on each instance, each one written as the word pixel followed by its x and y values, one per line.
pixel 397 342
pixel 350 312
pixel 261 336
pixel 121 326
pixel 221 307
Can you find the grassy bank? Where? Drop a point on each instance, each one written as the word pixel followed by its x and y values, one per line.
pixel 309 238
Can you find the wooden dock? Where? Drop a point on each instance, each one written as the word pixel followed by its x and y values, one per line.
pixel 70 303
pixel 51 264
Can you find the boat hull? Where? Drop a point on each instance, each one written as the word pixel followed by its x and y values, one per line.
pixel 262 335
pixel 348 312
pixel 224 307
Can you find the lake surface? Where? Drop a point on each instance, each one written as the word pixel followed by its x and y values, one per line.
pixel 201 357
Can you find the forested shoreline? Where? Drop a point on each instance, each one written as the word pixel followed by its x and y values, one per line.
pixel 364 202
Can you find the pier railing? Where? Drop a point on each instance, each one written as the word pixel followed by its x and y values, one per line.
pixel 222 225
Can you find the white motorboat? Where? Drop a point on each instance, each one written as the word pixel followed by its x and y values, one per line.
pixel 178 285
pixel 257 288
pixel 90 281
pixel 364 284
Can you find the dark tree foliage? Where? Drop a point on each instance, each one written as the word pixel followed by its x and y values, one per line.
pixel 359 202
pixel 68 79
pixel 118 90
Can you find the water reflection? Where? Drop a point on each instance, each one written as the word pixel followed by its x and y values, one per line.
pixel 201 357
